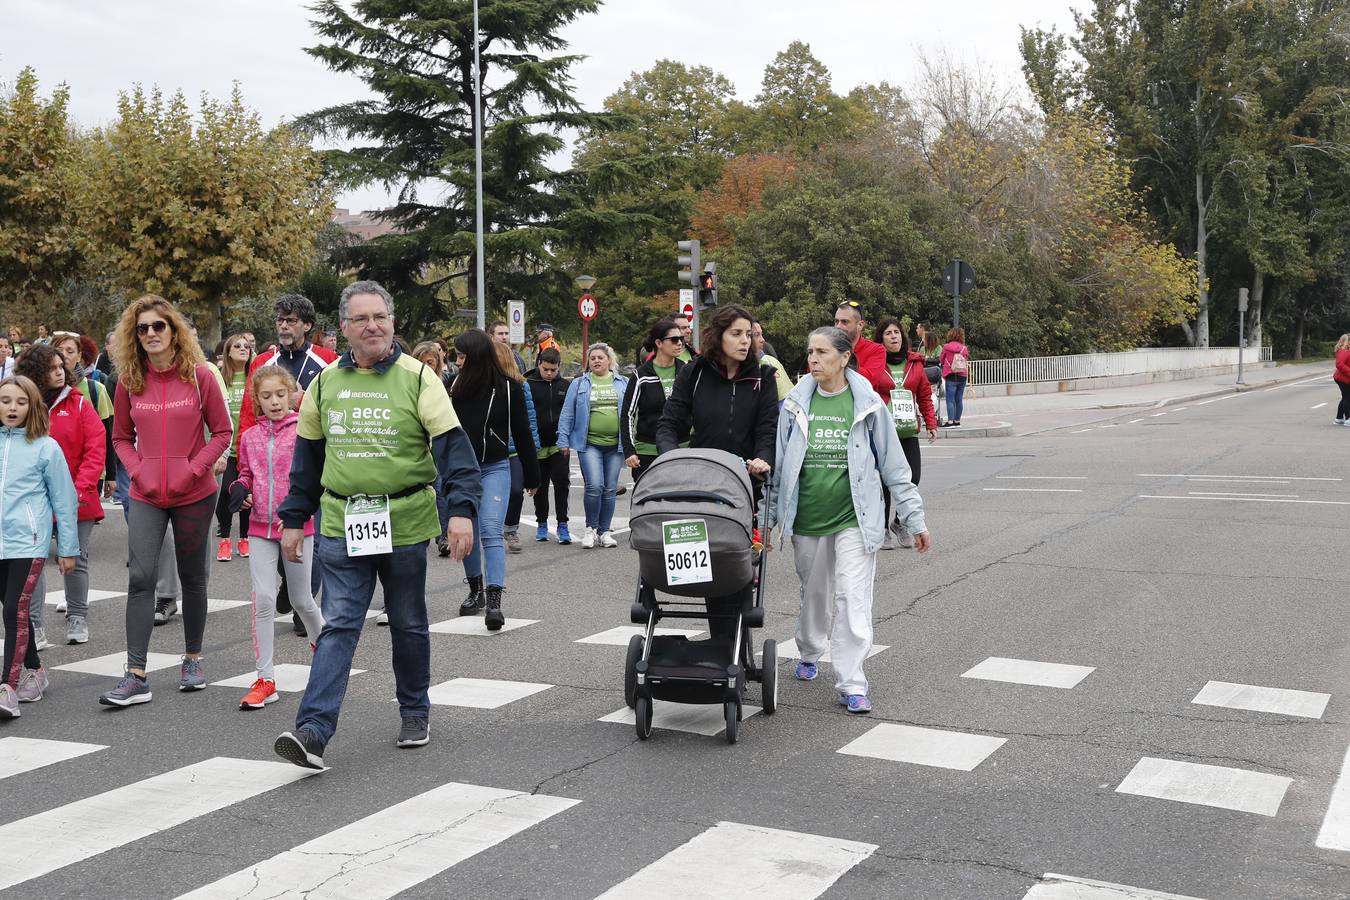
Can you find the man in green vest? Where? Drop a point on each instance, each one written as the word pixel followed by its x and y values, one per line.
pixel 376 437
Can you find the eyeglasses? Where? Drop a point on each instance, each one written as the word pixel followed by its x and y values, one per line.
pixel 379 319
pixel 157 326
pixel 243 346
pixel 288 320
pixel 676 338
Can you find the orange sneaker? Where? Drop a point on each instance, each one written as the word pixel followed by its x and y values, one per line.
pixel 224 553
pixel 263 693
pixel 243 548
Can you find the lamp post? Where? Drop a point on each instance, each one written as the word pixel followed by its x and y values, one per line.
pixel 478 173
pixel 585 282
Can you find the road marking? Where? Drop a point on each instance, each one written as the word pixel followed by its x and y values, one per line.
pixel 1319 406
pixel 1133 421
pixel 476 625
pixel 483 693
pixel 1242 481
pixel 1335 831
pixel 1234 494
pixel 1220 786
pixel 1181 409
pixel 19 755
pixel 924 746
pixel 1155 415
pixel 1240 477
pixel 1068 887
pixel 289 677
pixel 1080 431
pixel 1026 671
pixel 396 848
pixel 620 636
pixel 1245 500
pixel 788 650
pixel 1316 379
pixel 1043 477
pixel 705 719
pixel 114 664
pixel 1040 490
pixel 55 597
pixel 745 861
pixel 1217 399
pixel 1308 704
pixel 127 814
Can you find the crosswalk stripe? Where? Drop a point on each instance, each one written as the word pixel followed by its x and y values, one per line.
pixel 1067 887
pixel 19 755
pixel 394 849
pixel 123 815
pixel 748 862
pixel 1335 831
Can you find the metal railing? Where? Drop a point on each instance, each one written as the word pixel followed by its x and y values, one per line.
pixel 1097 365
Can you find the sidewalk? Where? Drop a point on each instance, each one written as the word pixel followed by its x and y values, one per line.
pixel 1004 416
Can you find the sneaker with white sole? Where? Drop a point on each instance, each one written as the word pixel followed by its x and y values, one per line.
pixel 512 541
pixel 806 671
pixel 32 682
pixel 77 630
pixel 905 539
pixel 856 703
pixel 382 619
pixel 607 540
pixel 414 732
pixel 61 604
pixel 165 607
pixel 190 674
pixel 40 641
pixel 588 539
pixel 9 702
pixel 131 690
pixel 262 693
pixel 301 747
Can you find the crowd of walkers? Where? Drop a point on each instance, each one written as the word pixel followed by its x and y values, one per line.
pixel 330 472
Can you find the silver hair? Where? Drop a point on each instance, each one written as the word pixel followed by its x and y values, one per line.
pixel 837 337
pixel 609 351
pixel 364 287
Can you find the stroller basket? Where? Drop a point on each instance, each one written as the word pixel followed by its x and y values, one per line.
pixel 710 485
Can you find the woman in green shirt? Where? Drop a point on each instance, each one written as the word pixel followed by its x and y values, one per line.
pixel 645 399
pixel 235 361
pixel 589 424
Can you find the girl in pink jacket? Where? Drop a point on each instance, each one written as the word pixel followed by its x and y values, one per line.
pixel 264 479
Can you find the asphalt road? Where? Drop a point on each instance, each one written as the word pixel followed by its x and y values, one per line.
pixel 1098 547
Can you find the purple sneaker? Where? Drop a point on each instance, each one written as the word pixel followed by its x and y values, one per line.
pixel 806 671
pixel 856 703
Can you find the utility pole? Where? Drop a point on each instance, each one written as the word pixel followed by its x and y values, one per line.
pixel 478 171
pixel 1242 324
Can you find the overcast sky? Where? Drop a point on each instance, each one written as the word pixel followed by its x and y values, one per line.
pixel 99 47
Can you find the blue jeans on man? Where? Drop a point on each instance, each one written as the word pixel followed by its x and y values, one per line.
pixel 349 583
pixel 488 549
pixel 600 468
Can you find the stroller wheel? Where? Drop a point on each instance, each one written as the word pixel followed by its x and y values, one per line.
pixel 731 711
pixel 635 645
pixel 642 717
pixel 768 677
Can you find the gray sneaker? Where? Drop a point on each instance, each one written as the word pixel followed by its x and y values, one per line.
pixel 132 689
pixel 40 641
pixel 190 675
pixel 32 682
pixel 414 732
pixel 165 607
pixel 888 543
pixel 9 703
pixel 512 540
pixel 905 539
pixel 77 630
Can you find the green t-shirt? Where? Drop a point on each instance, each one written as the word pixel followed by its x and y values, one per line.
pixel 234 399
pixel 667 376
pixel 603 428
pixel 378 428
pixel 824 497
pixel 685 355
pixel 780 376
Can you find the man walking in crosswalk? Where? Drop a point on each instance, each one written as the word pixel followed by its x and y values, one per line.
pixel 376 433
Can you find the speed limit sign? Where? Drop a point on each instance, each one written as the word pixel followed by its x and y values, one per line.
pixel 587 307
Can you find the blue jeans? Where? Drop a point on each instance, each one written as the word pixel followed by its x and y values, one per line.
pixel 348 583
pixel 956 397
pixel 487 527
pixel 600 471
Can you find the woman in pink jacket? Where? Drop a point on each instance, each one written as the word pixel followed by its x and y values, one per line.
pixel 265 452
pixel 955 359
pixel 1342 379
pixel 170 425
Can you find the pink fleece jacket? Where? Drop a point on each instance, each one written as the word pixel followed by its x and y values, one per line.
pixel 264 443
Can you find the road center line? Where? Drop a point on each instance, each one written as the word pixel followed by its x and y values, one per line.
pixel 1234 494
pixel 1237 477
pixel 1242 499
pixel 1080 431
pixel 1045 477
pixel 1319 406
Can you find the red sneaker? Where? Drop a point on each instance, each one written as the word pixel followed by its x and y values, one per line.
pixel 243 548
pixel 224 553
pixel 263 693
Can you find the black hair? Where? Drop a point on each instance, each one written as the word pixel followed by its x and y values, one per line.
pixel 295 305
pixel 480 371
pixel 886 322
pixel 549 355
pixel 658 332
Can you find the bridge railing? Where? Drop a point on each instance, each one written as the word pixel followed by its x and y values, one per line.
pixel 1095 365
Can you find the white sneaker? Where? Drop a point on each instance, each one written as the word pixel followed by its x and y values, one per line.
pixel 905 539
pixel 40 638
pixel 607 540
pixel 588 540
pixel 61 605
pixel 382 619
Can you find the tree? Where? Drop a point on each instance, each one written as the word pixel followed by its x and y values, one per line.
pixel 797 110
pixel 416 135
pixel 205 212
pixel 38 249
pixel 737 193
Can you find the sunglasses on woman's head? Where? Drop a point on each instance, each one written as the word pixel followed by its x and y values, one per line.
pixel 157 326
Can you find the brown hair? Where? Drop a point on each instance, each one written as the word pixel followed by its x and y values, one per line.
pixel 507 360
pixel 887 322
pixel 718 323
pixel 38 422
pixel 426 347
pixel 957 334
pixel 267 372
pixel 35 363
pixel 227 364
pixel 131 357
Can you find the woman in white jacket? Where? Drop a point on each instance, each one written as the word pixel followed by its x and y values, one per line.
pixel 836 447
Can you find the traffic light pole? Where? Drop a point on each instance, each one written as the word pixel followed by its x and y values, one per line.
pixel 692 256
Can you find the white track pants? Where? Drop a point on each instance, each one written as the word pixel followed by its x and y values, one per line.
pixel 262 566
pixel 836 610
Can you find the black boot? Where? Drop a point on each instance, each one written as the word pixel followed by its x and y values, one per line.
pixel 474 602
pixel 494 619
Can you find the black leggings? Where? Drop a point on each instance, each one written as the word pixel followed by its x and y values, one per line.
pixel 552 471
pixel 17 579
pixel 1343 408
pixel 911 447
pixel 517 501
pixel 223 503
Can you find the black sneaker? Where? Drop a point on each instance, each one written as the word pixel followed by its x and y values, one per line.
pixel 298 626
pixel 301 747
pixel 414 732
pixel 165 607
pixel 442 546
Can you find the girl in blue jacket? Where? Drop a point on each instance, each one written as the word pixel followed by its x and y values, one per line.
pixel 35 487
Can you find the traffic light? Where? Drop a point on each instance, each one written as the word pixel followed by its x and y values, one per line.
pixel 707 286
pixel 690 260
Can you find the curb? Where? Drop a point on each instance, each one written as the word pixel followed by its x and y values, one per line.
pixel 1000 429
pixel 1231 389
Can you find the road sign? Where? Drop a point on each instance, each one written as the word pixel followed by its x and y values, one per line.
pixel 686 306
pixel 586 307
pixel 958 278
pixel 515 319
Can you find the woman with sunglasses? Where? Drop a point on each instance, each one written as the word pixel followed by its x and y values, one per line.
pixel 645 398
pixel 236 359
pixel 168 404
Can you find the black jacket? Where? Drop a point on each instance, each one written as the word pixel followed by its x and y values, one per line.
pixel 739 415
pixel 549 397
pixel 643 403
pixel 493 418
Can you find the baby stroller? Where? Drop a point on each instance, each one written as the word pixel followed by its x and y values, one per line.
pixel 693 525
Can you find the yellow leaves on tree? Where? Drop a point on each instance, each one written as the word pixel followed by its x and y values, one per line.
pixel 738 192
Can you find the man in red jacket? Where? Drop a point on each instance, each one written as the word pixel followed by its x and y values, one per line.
pixel 869 355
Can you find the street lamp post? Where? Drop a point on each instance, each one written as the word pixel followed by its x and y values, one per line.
pixel 585 282
pixel 478 173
